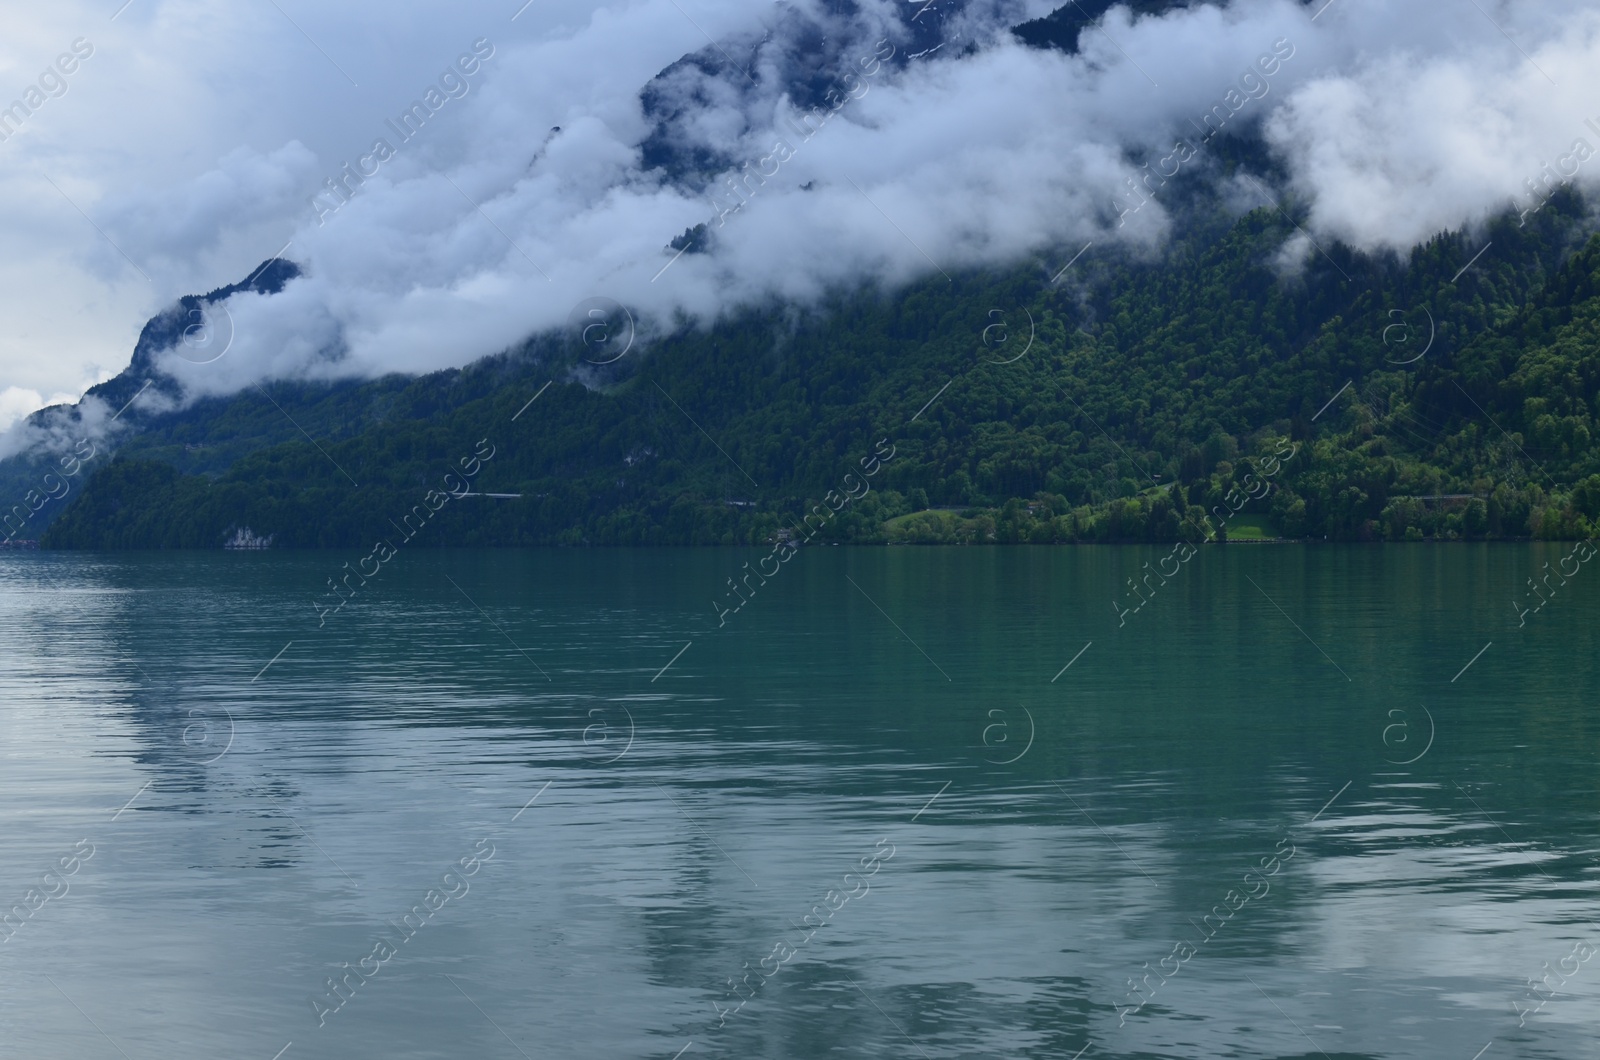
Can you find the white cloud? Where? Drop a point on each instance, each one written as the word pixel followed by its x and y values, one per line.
pixel 16 403
pixel 1393 122
pixel 1406 144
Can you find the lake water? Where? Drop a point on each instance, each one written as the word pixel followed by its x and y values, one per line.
pixel 212 804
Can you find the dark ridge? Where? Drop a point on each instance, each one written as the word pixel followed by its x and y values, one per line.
pixel 809 60
pixel 166 329
pixel 1061 28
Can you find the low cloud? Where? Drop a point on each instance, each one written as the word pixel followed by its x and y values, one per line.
pixel 1407 144
pixel 15 403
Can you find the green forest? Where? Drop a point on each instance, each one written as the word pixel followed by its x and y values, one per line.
pixel 1208 393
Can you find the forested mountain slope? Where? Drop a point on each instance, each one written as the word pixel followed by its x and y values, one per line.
pixel 1400 398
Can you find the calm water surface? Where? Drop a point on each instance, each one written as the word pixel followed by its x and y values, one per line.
pixel 217 812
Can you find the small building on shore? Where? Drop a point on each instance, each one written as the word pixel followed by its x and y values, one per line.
pixel 245 538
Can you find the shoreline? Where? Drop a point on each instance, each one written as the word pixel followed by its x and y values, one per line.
pixel 36 548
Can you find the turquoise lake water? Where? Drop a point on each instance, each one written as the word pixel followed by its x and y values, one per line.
pixel 1347 793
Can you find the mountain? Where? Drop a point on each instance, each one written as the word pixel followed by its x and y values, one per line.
pixel 60 438
pixel 803 53
pixel 1353 397
pixel 1126 397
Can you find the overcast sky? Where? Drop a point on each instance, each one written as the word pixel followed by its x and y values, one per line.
pixel 186 148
